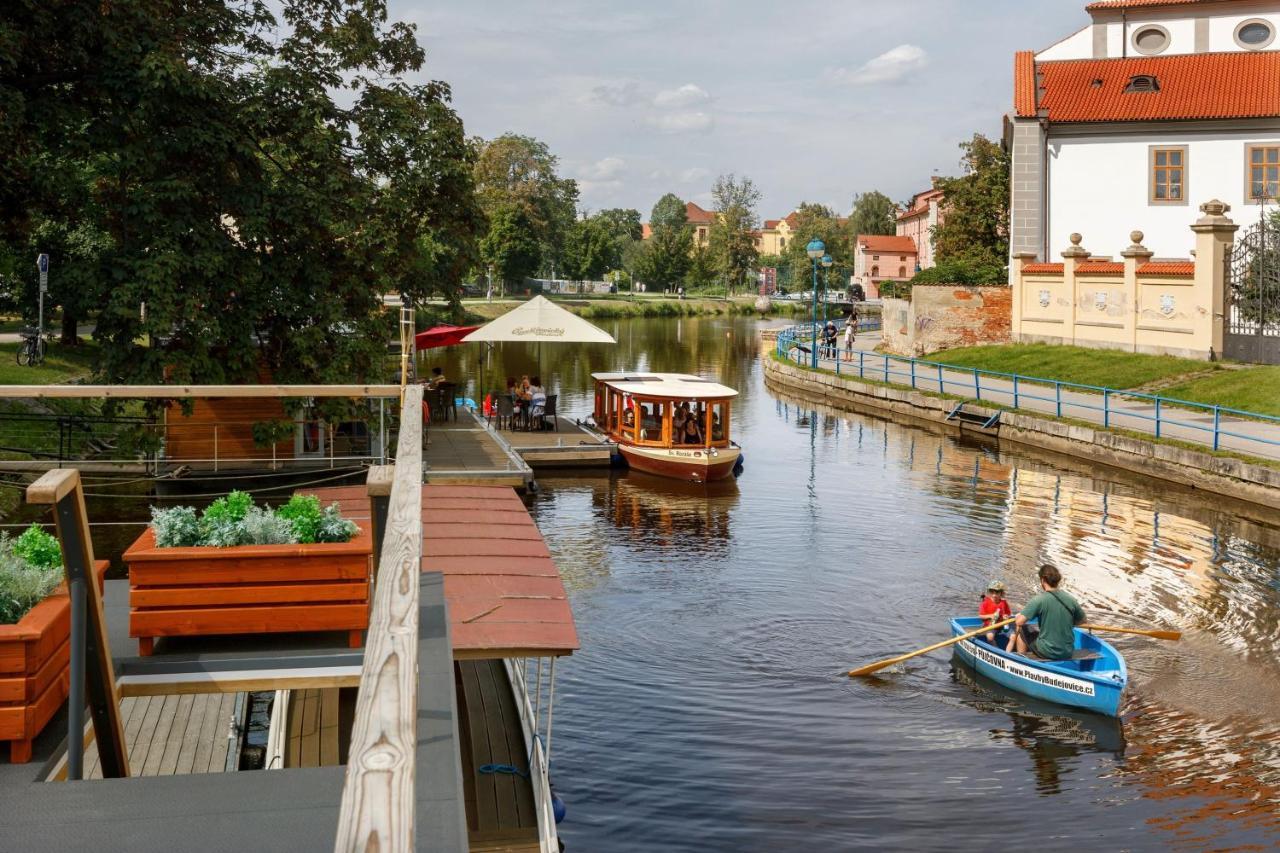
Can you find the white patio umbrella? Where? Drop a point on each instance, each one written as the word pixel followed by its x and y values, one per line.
pixel 540 320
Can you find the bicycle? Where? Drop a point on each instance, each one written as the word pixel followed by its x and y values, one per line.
pixel 31 351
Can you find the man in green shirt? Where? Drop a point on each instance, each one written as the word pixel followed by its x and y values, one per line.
pixel 1058 614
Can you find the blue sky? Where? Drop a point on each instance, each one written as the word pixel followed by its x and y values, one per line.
pixel 812 101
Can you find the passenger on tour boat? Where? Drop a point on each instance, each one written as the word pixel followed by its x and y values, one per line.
pixel 717 430
pixel 994 607
pixel 678 418
pixel 692 434
pixel 1058 614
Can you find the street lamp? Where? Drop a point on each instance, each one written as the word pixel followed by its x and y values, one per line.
pixel 815 250
pixel 826 285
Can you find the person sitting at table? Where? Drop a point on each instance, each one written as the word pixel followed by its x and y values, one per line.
pixel 537 398
pixel 437 378
pixel 692 434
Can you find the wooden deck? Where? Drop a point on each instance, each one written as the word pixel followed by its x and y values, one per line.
pixel 567 446
pixel 319 727
pixel 465 452
pixel 171 735
pixel 501 815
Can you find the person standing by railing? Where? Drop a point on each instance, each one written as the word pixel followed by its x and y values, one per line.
pixel 850 330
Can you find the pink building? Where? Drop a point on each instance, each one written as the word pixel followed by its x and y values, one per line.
pixel 918 221
pixel 882 258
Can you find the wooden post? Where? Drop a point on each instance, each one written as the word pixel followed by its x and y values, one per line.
pixel 378 797
pixel 61 489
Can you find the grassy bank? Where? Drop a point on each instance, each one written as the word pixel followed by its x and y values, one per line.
pixel 1081 365
pixel 61 364
pixel 607 308
pixel 1254 389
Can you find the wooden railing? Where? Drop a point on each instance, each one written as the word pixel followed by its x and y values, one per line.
pixel 378 797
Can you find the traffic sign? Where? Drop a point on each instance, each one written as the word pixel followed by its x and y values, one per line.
pixel 42 263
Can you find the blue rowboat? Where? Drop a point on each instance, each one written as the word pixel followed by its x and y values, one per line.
pixel 1093 679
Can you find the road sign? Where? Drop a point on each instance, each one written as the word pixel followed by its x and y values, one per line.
pixel 42 264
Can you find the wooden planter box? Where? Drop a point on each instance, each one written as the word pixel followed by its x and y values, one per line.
pixel 248 589
pixel 35 656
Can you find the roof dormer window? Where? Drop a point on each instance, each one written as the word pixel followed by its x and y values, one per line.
pixel 1151 39
pixel 1142 83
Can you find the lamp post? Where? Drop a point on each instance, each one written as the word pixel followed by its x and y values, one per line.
pixel 826 285
pixel 815 250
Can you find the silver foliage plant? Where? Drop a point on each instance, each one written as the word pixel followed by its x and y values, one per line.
pixel 22 585
pixel 176 527
pixel 261 526
pixel 335 528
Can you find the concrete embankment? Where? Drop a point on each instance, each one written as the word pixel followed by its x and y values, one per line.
pixel 1224 475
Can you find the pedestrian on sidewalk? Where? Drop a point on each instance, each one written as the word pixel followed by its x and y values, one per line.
pixel 849 331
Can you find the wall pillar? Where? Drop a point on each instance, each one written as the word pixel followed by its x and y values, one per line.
pixel 1215 234
pixel 1019 261
pixel 1134 256
pixel 1072 255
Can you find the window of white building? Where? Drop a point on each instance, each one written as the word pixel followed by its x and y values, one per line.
pixel 1150 39
pixel 1255 34
pixel 1263 175
pixel 1168 175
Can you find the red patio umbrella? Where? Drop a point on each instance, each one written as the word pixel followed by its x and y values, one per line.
pixel 441 336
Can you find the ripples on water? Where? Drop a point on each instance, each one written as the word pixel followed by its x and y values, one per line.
pixel 708 709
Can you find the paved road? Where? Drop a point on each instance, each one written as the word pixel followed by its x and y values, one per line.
pixel 1191 425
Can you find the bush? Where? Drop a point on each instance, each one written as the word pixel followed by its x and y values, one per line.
pixel 963 271
pixel 234 520
pixel 335 528
pixel 39 548
pixel 22 584
pixel 264 527
pixel 176 527
pixel 303 512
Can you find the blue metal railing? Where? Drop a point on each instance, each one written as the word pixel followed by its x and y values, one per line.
pixel 968 382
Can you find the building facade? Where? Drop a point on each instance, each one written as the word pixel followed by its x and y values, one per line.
pixel 1135 119
pixel 699 220
pixel 879 258
pixel 918 222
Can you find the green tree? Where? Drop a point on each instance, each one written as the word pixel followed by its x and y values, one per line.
pixel 520 170
pixel 873 213
pixel 664 258
pixel 976 227
pixel 511 245
pixel 732 243
pixel 816 221
pixel 701 274
pixel 590 250
pixel 623 223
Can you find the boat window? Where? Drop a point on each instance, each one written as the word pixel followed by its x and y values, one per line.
pixel 653 416
pixel 615 410
pixel 718 423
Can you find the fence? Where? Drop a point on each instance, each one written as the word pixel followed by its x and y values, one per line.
pixel 1165 417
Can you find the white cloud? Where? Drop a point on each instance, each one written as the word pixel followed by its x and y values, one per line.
pixel 620 95
pixel 607 169
pixel 682 122
pixel 683 96
pixel 891 66
pixel 693 175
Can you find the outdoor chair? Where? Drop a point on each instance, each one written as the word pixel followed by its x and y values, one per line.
pixel 506 411
pixel 450 392
pixel 549 411
pixel 434 399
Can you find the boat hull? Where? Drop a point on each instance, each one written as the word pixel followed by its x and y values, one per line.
pixel 1095 685
pixel 697 465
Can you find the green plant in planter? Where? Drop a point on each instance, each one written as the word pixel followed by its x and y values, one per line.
pixel 176 527
pixel 335 528
pixel 39 548
pixel 304 513
pixel 222 523
pixel 264 527
pixel 22 584
pixel 234 520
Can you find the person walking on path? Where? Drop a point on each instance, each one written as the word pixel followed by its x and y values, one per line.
pixel 1058 614
pixel 849 332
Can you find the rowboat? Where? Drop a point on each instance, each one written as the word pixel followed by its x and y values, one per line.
pixel 1093 679
pixel 642 415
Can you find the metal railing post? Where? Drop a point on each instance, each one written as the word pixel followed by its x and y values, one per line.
pixel 977 385
pixel 1217 419
pixel 215 447
pixel 940 382
pixel 913 374
pixel 1157 417
pixel 1057 393
pixel 861 365
pixel 1015 390
pixel 1106 408
pixel 886 369
pixel 75 693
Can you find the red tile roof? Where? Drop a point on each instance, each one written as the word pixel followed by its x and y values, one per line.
pixel 1100 268
pixel 1103 5
pixel 771 224
pixel 919 204
pixel 1042 269
pixel 698 216
pixel 886 243
pixel 1243 84
pixel 1177 268
pixel 503 590
pixel 1024 83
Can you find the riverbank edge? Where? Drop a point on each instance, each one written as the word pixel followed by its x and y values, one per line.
pixel 1231 477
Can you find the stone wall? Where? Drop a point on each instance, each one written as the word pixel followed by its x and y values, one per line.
pixel 942 317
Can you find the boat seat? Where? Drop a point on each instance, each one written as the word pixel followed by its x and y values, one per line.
pixel 1085 654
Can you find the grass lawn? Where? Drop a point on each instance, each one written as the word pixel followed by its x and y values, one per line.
pixel 61 364
pixel 1082 365
pixel 1256 389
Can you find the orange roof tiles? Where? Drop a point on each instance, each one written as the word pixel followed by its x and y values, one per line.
pixel 1100 268
pixel 771 224
pixel 1178 268
pixel 696 215
pixel 1103 5
pixel 1044 269
pixel 503 589
pixel 1024 83
pixel 886 243
pixel 1195 86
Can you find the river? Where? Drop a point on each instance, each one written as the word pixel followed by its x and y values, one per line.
pixel 708 709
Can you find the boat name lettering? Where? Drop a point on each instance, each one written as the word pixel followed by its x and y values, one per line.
pixel 1061 682
pixel 545 331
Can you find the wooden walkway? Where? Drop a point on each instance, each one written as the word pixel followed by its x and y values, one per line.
pixel 501 814
pixel 173 735
pixel 319 727
pixel 566 446
pixel 465 452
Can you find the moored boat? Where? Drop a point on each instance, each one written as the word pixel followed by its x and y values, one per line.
pixel 668 424
pixel 1093 679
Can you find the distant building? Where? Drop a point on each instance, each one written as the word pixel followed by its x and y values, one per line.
pixel 776 234
pixel 1131 122
pixel 925 213
pixel 882 258
pixel 699 219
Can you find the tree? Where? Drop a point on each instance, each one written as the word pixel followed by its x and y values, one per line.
pixel 732 241
pixel 816 221
pixel 511 246
pixel 701 274
pixel 976 226
pixel 664 258
pixel 623 223
pixel 520 170
pixel 873 213
pixel 590 250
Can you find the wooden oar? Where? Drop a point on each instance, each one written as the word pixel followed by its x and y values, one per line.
pixel 876 667
pixel 1159 635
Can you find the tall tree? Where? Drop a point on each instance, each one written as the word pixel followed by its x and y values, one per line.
pixel 623 223
pixel 590 250
pixel 701 274
pixel 511 245
pixel 732 243
pixel 873 213
pixel 976 226
pixel 664 258
pixel 816 221
pixel 520 170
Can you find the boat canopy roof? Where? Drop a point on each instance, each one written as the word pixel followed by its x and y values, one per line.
pixel 676 386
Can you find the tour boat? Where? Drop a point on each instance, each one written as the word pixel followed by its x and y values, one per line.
pixel 640 412
pixel 1093 679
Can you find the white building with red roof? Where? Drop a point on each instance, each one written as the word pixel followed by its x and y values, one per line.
pixel 1133 121
pixel 924 214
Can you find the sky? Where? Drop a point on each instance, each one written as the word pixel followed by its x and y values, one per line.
pixel 812 101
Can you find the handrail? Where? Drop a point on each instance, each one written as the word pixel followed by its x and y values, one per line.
pixel 378 797
pixel 932 375
pixel 182 392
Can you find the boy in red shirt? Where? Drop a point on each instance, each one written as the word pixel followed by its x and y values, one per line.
pixel 994 607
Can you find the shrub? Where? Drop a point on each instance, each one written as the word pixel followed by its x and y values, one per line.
pixel 22 585
pixel 335 528
pixel 176 527
pixel 233 507
pixel 39 548
pixel 303 512
pixel 264 527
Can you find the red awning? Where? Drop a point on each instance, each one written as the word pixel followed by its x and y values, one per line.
pixel 442 336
